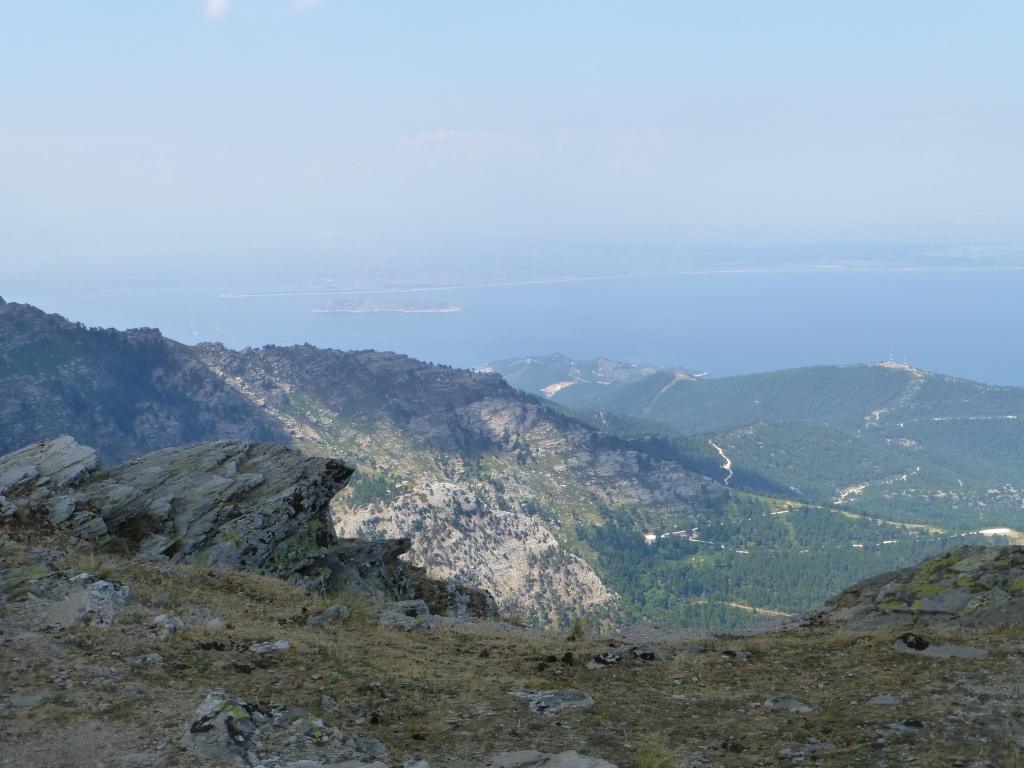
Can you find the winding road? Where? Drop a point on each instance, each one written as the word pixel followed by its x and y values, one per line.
pixel 727 465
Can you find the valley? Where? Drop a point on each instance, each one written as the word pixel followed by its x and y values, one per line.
pixel 547 508
pixel 884 439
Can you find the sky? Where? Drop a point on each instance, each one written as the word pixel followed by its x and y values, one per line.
pixel 154 129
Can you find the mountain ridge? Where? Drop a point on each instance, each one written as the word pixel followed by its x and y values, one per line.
pixel 557 516
pixel 882 439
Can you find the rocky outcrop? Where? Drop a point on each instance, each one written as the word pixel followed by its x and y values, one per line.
pixel 227 730
pixel 967 587
pixel 230 504
pixel 407 615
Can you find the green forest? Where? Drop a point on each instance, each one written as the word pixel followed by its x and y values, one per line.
pixel 753 553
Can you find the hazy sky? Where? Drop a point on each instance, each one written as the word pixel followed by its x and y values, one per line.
pixel 133 126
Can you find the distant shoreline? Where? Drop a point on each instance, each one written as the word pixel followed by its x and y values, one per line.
pixel 370 305
pixel 367 311
pixel 821 268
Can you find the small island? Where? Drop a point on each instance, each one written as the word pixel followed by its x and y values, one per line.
pixel 372 305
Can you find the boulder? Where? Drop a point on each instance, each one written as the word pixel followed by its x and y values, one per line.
pixel 407 615
pixel 911 643
pixel 447 598
pixel 333 614
pixel 789 703
pixel 84 598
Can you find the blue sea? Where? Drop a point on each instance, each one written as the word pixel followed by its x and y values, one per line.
pixel 964 323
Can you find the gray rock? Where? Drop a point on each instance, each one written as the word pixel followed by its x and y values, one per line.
pixel 452 599
pixel 646 652
pixel 87 599
pixel 914 643
pixel 225 728
pixel 331 615
pixel 40 480
pixel 407 615
pixel 531 758
pixel 230 504
pixel 259 507
pixel 51 464
pixel 262 648
pixel 791 704
pixel 229 730
pixel 166 626
pixel 607 658
pixel 27 700
pixel 903 727
pixel 550 702
pixel 993 599
pixel 885 700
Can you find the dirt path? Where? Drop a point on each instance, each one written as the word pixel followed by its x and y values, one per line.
pixel 727 465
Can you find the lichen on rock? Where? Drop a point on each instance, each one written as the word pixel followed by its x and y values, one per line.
pixel 967 587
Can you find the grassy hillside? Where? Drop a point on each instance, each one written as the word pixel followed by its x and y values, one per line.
pixel 88 696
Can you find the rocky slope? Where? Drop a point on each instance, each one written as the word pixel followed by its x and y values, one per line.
pixel 262 508
pixel 967 587
pixel 109 659
pixel 488 483
pixel 441 434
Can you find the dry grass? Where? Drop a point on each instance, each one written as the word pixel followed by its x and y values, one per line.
pixel 443 695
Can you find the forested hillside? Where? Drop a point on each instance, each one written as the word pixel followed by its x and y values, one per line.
pixel 884 440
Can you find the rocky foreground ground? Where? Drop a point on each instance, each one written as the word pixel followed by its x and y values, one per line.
pixel 123 644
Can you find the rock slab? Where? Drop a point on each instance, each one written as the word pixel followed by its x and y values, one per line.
pixel 550 702
pixel 230 504
pixel 531 758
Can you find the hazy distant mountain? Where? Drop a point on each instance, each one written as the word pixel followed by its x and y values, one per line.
pixel 496 487
pixel 123 392
pixel 549 374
